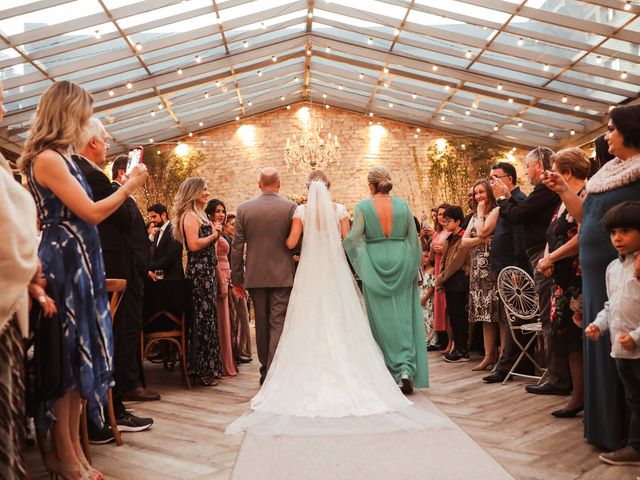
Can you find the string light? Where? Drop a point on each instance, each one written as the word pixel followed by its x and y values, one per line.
pixel 157 152
pixel 237 118
pixel 572 132
pixel 386 84
pixel 129 85
pixel 326 107
pixel 442 118
pixel 160 106
pixel 495 129
pixel 191 134
pixel 385 70
pixel 139 46
pixel 434 68
pixel 551 134
pixel 153 113
pixel 564 99
pixel 282 98
pixel 576 108
pixel 151 140
pixel 627 5
pixel 111 93
pixel 390 105
pixel 418 130
pixel 324 95
pixel 511 100
pixel 179 71
pixel 371 114
pixel 467 112
pixel 513 149
pixel 519 124
pixel 447 87
pixel 200 124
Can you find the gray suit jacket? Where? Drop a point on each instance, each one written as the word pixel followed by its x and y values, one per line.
pixel 263 224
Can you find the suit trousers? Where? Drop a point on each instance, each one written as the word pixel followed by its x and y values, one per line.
pixel 459 318
pixel 270 307
pixel 126 333
pixel 240 314
pixel 557 356
pixel 629 373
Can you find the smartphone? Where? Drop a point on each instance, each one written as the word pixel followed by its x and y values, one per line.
pixel 135 158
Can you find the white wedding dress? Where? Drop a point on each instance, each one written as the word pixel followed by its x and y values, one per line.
pixel 328 375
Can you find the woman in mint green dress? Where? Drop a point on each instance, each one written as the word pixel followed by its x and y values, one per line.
pixel 384 249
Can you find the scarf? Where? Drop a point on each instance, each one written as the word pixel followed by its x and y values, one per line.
pixel 615 174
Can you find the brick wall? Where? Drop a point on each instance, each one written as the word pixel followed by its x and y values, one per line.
pixel 237 152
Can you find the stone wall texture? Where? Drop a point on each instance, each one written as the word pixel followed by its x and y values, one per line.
pixel 237 152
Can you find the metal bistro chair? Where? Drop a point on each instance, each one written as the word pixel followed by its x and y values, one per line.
pixel 520 299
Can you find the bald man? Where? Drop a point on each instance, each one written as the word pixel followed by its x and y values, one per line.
pixel 263 224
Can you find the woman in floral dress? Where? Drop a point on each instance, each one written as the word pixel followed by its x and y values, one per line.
pixel 199 237
pixel 561 261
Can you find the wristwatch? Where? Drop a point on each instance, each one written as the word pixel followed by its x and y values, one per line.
pixel 501 197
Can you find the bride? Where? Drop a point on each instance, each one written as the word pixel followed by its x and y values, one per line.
pixel 328 375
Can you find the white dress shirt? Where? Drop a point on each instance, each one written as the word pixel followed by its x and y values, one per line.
pixel 620 313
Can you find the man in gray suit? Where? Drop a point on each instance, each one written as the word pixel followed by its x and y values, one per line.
pixel 263 224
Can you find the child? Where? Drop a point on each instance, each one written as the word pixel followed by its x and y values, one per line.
pixel 426 299
pixel 454 279
pixel 620 317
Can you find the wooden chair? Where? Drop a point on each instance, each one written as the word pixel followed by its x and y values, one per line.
pixel 158 306
pixel 116 286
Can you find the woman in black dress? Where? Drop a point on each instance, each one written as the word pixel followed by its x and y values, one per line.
pixel 561 261
pixel 199 237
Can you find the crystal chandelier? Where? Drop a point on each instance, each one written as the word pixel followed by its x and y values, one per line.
pixel 313 146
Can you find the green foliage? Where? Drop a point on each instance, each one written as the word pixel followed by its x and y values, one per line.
pixel 167 171
pixel 454 165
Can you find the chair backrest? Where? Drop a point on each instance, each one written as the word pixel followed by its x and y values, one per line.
pixel 518 293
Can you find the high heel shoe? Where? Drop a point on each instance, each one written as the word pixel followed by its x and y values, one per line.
pixel 486 364
pixel 58 469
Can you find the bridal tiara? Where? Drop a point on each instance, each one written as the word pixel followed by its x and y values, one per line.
pixel 310 181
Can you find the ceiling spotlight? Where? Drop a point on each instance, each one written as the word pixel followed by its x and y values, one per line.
pixel 627 5
pixel 564 99
pixel 442 118
pixel 623 75
pixel 520 41
pixel 519 124
pixel 218 83
pixel 111 93
pixel 326 107
pixel 274 58
pixel 463 146
pixel 153 113
pixel 296 79
pixel 434 68
pixel 371 114
pixel 467 112
pixel 179 71
pixel 139 46
pixel 237 118
pixel 447 87
pixel 499 86
pixel 386 84
pixel 198 59
pixel 259 73
pixel 151 140
pixel 249 103
pixel 308 51
pixel 370 122
pixel 576 108
pixel 572 132
pixel 495 129
pixel 328 49
pixel 474 104
pixel 385 70
pixel 361 76
pixel 339 87
pixel 370 41
pixel 551 134
pixel 545 68
pixel 191 134
pixel 206 94
pixel 129 85
pixel 324 95
pixel 263 26
pixel 204 141
pixel 390 105
pixel 97 34
pixel 200 124
pixel 513 149
pixel 310 15
pixel 245 44
pixel 157 152
pixel 396 32
pixel 224 89
pixel 418 130
pixel 288 107
pixel 282 98
pixel 598 59
pixel 160 106
pixel 511 100
pixel 468 54
pixel 414 96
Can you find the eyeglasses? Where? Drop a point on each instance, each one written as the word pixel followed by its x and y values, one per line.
pixel 500 176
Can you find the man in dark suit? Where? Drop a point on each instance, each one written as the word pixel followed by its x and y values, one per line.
pixel 166 251
pixel 137 240
pixel 91 158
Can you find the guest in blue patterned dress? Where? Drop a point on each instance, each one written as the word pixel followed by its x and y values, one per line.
pixel 73 268
pixel 617 181
pixel 199 237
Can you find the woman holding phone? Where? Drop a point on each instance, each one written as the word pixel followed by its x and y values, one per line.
pixel 73 268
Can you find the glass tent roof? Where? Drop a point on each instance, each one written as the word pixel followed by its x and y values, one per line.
pixel 523 72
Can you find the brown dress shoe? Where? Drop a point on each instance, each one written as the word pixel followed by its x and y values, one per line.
pixel 140 394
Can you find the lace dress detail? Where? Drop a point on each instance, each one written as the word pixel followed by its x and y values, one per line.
pixel 484 304
pixel 204 342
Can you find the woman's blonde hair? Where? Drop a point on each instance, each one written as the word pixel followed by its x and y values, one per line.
pixel 572 160
pixel 60 120
pixel 380 179
pixel 185 201
pixel 318 174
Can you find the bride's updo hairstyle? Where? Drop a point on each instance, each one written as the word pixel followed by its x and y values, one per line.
pixel 380 179
pixel 318 175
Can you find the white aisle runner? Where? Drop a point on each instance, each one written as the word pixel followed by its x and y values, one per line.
pixel 446 454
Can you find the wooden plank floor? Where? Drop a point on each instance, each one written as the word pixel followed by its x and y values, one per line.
pixel 187 440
